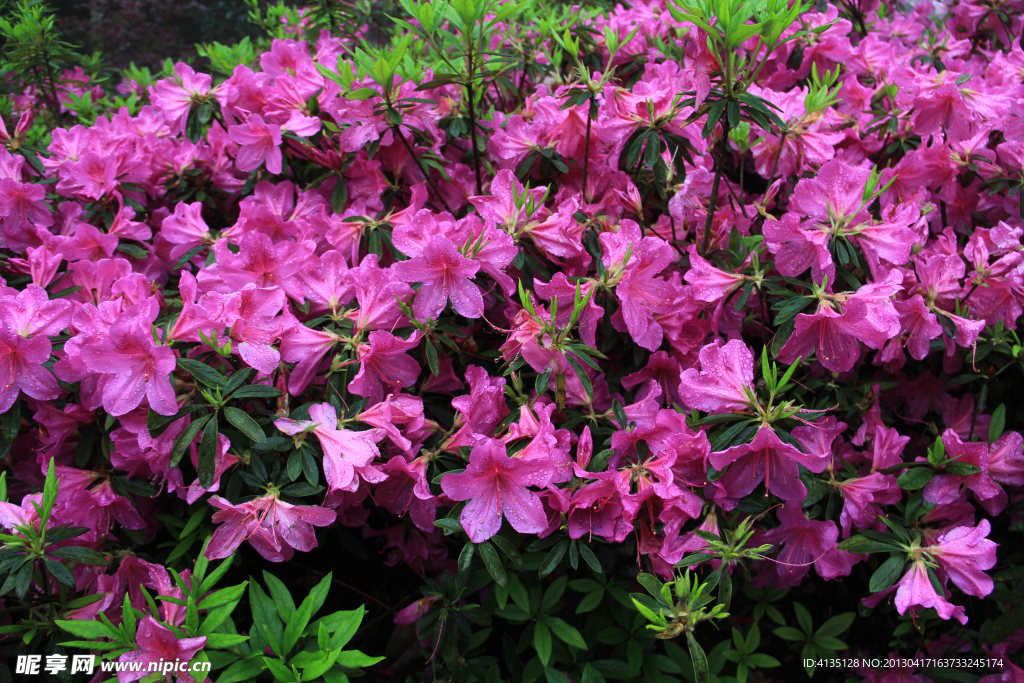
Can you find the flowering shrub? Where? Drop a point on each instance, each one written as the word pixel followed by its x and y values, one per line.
pixel 634 343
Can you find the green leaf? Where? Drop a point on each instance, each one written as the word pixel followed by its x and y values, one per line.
pixel 652 150
pixel 566 633
pixel 837 624
pixel 343 625
pixel 862 545
pixel 90 630
pixel 257 391
pixel 590 602
pixel 59 572
pixel 202 372
pixel 803 617
pixel 466 556
pixel 997 424
pixel 554 557
pixel 714 116
pixel 224 640
pixel 588 386
pixel 555 676
pixel 701 674
pixel 264 616
pixel 651 584
pixel 790 633
pixel 279 670
pixel 354 659
pixel 762 661
pixel 185 439
pixel 506 547
pixel 590 558
pixel 245 424
pixel 224 596
pixel 432 360
pixel 300 619
pixel 208 448
pixel 1002 627
pixel 449 525
pixel 542 642
pixel 493 563
pixel 10 422
pixel 80 555
pixel 915 478
pixel 886 574
pixel 961 469
pixel 362 94
pixel 517 591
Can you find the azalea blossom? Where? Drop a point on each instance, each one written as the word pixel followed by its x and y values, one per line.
pixel 496 486
pixel 157 644
pixel 276 529
pixel 444 275
pixel 766 459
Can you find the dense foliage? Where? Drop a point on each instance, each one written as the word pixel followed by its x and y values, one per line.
pixel 579 343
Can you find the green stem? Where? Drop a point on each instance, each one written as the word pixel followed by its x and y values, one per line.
pixel 472 119
pixel 51 80
pixel 419 164
pixel 586 149
pixel 705 242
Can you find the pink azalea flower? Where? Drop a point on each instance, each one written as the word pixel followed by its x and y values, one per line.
pixel 259 261
pixel 259 143
pixel 132 365
pixel 919 325
pixel 639 290
pixel 306 348
pixel 496 485
pixel 25 514
pixel 175 96
pixel 384 365
pixel 766 459
pixel 710 284
pixel 157 643
pixel 345 451
pixel 862 497
pixel 963 553
pixel 915 589
pixel 254 325
pixel 185 229
pixel 834 196
pixel 193 316
pixel 398 410
pixel 945 488
pixel 596 510
pixel 833 336
pixel 803 542
pixel 20 202
pixel 796 249
pixel 327 284
pixel 481 410
pixel 559 287
pixel 725 378
pixel 1006 459
pixel 407 490
pixel 273 527
pixel 445 275
pixel 499 207
pixel 26 320
pixel 560 234
pixel 377 292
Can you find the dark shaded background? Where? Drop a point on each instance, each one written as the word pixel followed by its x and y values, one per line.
pixel 146 32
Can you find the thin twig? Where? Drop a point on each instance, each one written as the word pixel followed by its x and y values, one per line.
pixel 424 171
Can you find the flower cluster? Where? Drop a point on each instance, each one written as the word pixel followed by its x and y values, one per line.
pixel 587 301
